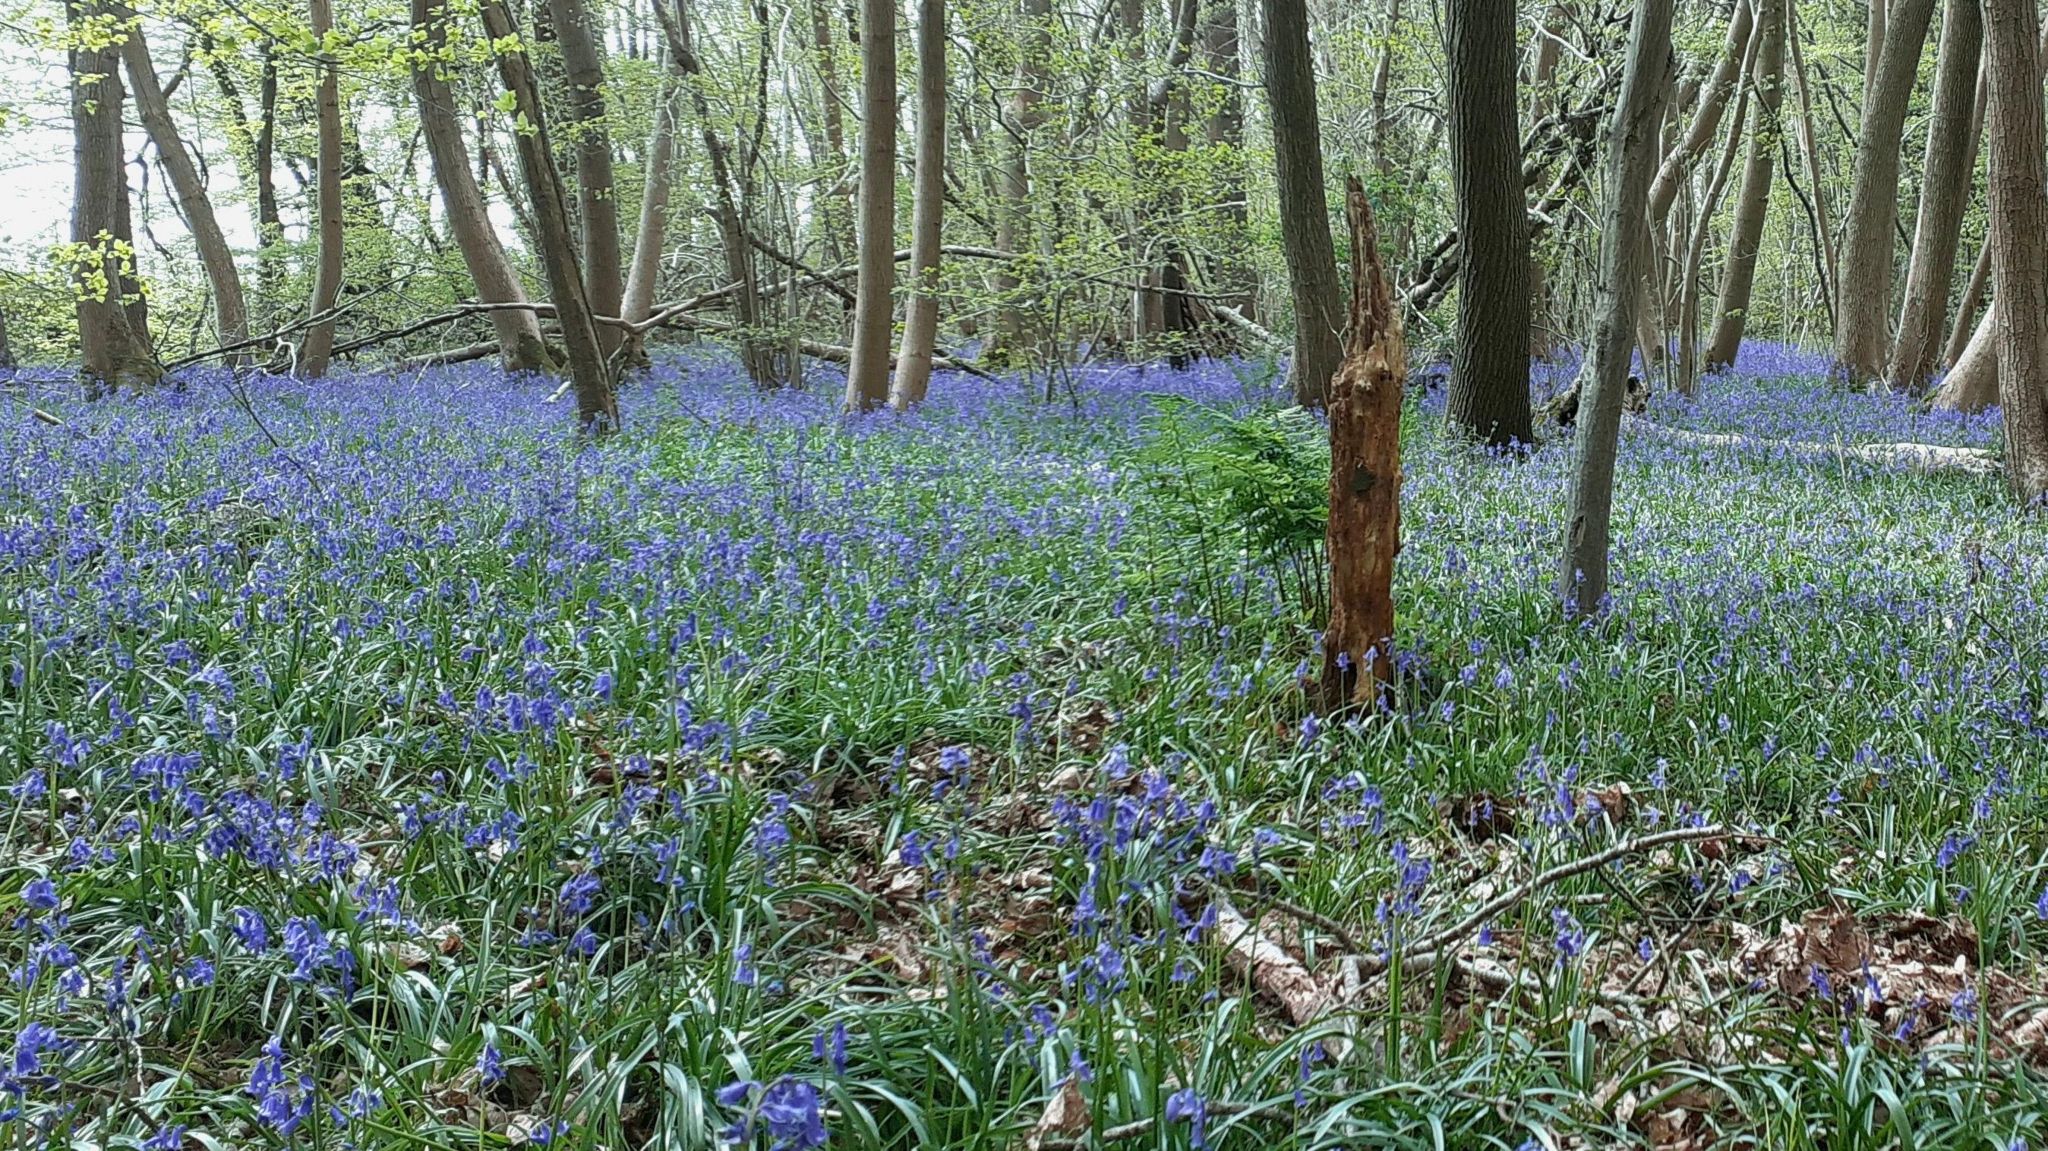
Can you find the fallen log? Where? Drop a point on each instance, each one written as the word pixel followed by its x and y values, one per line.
pixel 1912 457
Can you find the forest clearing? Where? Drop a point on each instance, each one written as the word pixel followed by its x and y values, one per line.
pixel 631 574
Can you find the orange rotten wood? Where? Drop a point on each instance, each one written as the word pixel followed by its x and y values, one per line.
pixel 1364 533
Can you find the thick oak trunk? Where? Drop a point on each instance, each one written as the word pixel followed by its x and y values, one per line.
pixel 2019 240
pixel 1863 301
pixel 1944 194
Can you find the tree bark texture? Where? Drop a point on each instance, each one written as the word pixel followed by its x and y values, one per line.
pixel 596 189
pixel 1944 193
pixel 1304 214
pixel 2019 240
pixel 1364 533
pixel 113 337
pixel 1631 164
pixel 1738 275
pixel 928 202
pixel 874 310
pixel 1489 389
pixel 328 208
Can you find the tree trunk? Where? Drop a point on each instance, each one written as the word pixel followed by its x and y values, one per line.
pixel 230 311
pixel 1738 276
pixel 1863 301
pixel 1971 383
pixel 642 276
pixel 1489 390
pixel 1364 532
pixel 596 196
pixel 520 347
pixel 116 350
pixel 1691 269
pixel 1231 272
pixel 1542 101
pixel 1013 219
pixel 1304 215
pixel 837 209
pixel 1822 223
pixel 867 376
pixel 1959 334
pixel 2019 240
pixel 921 314
pixel 319 340
pixel 1631 164
pixel 597 410
pixel 758 354
pixel 1944 194
pixel 1706 123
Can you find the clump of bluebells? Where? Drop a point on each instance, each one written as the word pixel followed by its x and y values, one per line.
pixel 428 771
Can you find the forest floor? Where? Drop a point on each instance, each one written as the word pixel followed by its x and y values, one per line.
pixel 388 773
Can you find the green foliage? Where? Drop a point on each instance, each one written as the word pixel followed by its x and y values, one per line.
pixel 1251 484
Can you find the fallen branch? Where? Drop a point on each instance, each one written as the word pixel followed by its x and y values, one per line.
pixel 1490 910
pixel 1245 324
pixel 1915 457
pixel 1267 966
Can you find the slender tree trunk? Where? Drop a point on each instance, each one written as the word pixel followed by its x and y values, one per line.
pixel 597 409
pixel 1542 99
pixel 1810 151
pixel 645 271
pixel 1738 277
pixel 1631 165
pixel 1489 390
pixel 867 375
pixel 1944 193
pixel 1230 272
pixel 921 314
pixel 1304 214
pixel 1692 271
pixel 837 210
pixel 1706 123
pixel 230 311
pixel 269 218
pixel 328 209
pixel 1384 164
pixel 757 353
pixel 2019 240
pixel 1013 219
pixel 520 347
pixel 596 190
pixel 1966 307
pixel 1863 306
pixel 1364 532
pixel 116 349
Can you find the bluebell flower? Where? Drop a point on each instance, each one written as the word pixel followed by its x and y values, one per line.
pixel 1187 1106
pixel 490 1066
pixel 40 894
pixel 579 894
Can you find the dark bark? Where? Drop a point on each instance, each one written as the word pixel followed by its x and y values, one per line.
pixel 1304 214
pixel 1489 388
pixel 113 335
pixel 328 208
pixel 597 408
pixel 520 347
pixel 596 191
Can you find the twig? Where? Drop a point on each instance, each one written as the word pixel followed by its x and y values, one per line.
pixel 1563 871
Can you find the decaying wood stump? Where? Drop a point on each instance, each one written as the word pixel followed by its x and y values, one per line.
pixel 1364 532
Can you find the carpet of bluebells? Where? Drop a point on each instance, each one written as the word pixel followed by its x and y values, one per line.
pixel 383 768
